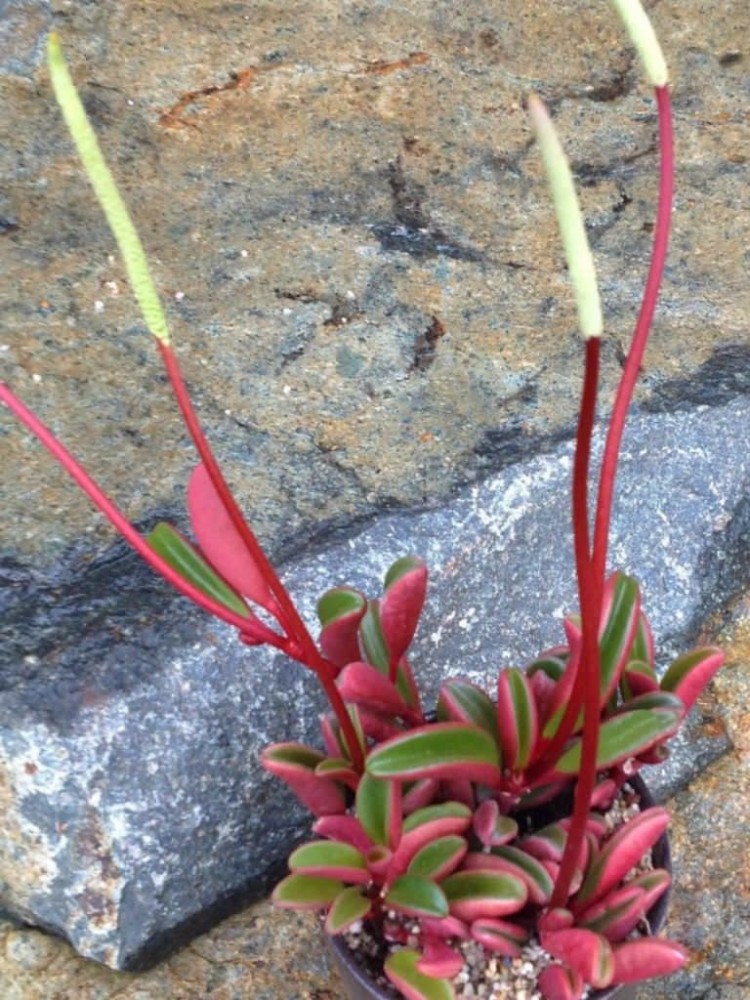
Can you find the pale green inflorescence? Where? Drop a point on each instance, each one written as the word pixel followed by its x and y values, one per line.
pixel 106 192
pixel 644 39
pixel 569 219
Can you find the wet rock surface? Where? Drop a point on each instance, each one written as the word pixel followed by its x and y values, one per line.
pixel 362 273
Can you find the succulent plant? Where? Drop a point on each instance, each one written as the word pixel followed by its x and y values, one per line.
pixel 508 815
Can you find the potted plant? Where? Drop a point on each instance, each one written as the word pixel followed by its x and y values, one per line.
pixel 505 840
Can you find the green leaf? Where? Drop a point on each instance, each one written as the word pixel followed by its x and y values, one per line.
pixel 329 858
pixel 439 858
pixel 373 640
pixel 431 814
pixel 518 722
pixel 340 602
pixel 417 897
pixel 445 750
pixel 105 189
pixel 622 736
pixel 619 631
pixel 306 892
pixel 462 701
pixel 348 907
pixel 190 564
pixel 372 807
pixel 401 969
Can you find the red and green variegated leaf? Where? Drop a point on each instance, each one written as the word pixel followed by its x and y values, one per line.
pixel 584 951
pixel 547 844
pixel 691 672
pixel 445 750
pixel 622 736
pixel 647 957
pixel 401 605
pixel 500 936
pixel 557 919
pixel 183 557
pixel 517 720
pixel 344 828
pixel 557 982
pixel 306 892
pixel 295 764
pixel 417 897
pixel 638 678
pixel 462 701
pixel 346 909
pixel 380 862
pixel 621 853
pixel 619 912
pixel 472 895
pixel 620 616
pixel 340 611
pixel 366 686
pixel 439 858
pixel 519 863
pixel 440 960
pixel 419 794
pixel 378 808
pixel 492 828
pixel 446 927
pixel 424 826
pixel 331 860
pixel 375 648
pixel 551 663
pixel 221 542
pixel 401 969
pixel 643 642
pixel 338 769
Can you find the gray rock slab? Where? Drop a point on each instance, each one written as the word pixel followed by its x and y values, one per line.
pixel 135 810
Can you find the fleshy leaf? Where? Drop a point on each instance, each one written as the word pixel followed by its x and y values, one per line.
pixel 463 701
pixel 691 672
pixel 646 957
pixel 440 960
pixel 331 860
pixel 424 826
pixel 491 826
pixel 417 896
pixel 500 936
pixel 401 968
pixel 557 982
pixel 306 892
pixel 519 863
pixel 378 809
pixel 401 605
pixel 375 649
pixel 622 600
pixel 344 828
pixel 340 611
pixel 295 764
pixel 586 952
pixel 638 678
pixel 167 542
pixel 622 736
pixel 620 911
pixel 444 750
pixel 365 685
pixel 476 894
pixel 439 857
pixel 517 721
pixel 622 852
pixel 222 543
pixel 346 909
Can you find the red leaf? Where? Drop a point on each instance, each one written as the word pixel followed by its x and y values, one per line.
pixel 221 542
pixel 558 983
pixel 586 952
pixel 440 961
pixel 340 611
pixel 621 853
pixel 295 764
pixel 364 685
pixel 646 957
pixel 401 606
pixel 491 827
pixel 500 936
pixel 691 672
pixel 345 828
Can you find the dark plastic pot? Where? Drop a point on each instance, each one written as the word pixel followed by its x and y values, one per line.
pixel 359 986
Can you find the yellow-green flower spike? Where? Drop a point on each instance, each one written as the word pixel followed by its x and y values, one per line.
pixel 106 192
pixel 570 221
pixel 643 37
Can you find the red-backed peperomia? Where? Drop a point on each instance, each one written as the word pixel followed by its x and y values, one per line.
pixel 429 828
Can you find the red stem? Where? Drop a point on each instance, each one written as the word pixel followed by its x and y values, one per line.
pixel 591 572
pixel 306 651
pixel 250 627
pixel 625 389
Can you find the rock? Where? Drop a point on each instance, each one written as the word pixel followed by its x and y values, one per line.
pixel 361 267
